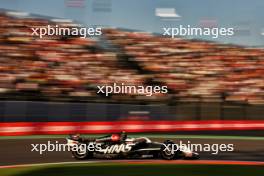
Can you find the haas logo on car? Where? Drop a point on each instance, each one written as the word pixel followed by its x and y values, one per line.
pixel 117 148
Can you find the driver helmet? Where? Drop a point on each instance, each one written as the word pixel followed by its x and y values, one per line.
pixel 123 135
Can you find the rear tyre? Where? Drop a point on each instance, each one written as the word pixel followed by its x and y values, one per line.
pixel 166 150
pixel 81 154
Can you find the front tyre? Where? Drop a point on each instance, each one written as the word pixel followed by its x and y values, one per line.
pixel 195 156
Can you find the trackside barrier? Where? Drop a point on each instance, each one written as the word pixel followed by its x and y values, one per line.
pixel 38 111
pixel 27 128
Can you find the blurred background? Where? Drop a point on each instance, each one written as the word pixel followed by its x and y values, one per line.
pixel 55 78
pixel 49 85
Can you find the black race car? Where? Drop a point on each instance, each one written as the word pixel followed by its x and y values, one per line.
pixel 120 146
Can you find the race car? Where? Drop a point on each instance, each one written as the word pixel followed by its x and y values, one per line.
pixel 120 146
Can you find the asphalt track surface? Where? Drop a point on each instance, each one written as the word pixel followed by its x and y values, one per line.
pixel 18 151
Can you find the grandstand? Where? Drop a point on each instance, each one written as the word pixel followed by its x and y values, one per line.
pixel 68 68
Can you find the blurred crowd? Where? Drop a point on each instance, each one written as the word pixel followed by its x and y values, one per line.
pixel 56 67
pixel 67 68
pixel 196 70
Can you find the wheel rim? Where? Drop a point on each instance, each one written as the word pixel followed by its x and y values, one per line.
pixel 81 151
